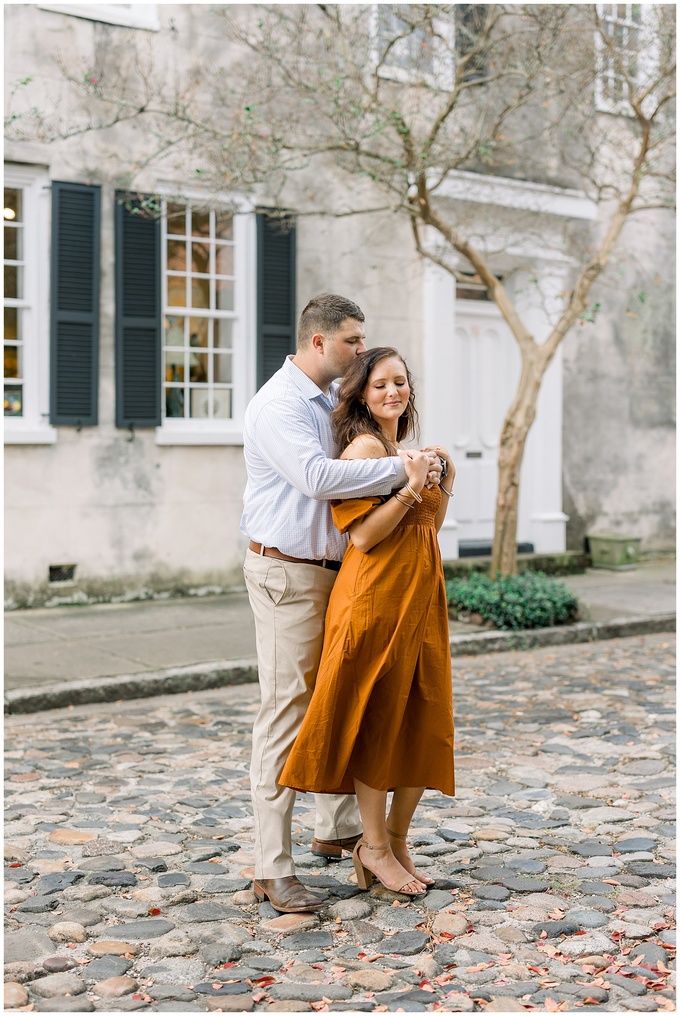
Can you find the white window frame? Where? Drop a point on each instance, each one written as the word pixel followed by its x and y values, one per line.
pixel 444 66
pixel 127 15
pixel 187 431
pixel 33 427
pixel 647 59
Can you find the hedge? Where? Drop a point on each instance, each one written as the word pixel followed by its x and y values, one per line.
pixel 531 600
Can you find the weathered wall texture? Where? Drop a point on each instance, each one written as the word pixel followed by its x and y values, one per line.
pixel 619 398
pixel 135 516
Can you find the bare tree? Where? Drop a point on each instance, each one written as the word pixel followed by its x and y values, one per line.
pixel 400 98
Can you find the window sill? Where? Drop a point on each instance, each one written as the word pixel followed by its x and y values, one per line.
pixel 187 436
pixel 30 435
pixel 143 16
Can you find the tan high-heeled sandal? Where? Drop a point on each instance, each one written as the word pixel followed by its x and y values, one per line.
pixel 365 875
pixel 425 879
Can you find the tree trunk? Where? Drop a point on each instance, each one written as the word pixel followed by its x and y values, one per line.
pixel 516 426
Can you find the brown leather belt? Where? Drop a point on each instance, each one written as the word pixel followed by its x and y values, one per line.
pixel 273 552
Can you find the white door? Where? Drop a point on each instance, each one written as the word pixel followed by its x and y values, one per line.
pixel 486 371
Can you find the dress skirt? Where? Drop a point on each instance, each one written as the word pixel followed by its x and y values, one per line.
pixel 382 709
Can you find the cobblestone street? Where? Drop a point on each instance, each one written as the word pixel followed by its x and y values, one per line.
pixel 128 852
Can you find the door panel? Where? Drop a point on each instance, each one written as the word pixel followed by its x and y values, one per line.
pixel 486 373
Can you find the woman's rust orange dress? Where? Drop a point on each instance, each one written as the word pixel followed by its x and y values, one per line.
pixel 382 706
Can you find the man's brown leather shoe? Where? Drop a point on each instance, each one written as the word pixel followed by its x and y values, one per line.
pixel 335 850
pixel 286 894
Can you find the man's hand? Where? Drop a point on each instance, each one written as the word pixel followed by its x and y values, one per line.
pixel 434 472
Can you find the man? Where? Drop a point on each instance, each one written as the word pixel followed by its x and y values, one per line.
pixel 293 557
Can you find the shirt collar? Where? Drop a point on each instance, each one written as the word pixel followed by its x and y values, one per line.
pixel 305 384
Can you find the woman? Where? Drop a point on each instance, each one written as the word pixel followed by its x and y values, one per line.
pixel 381 715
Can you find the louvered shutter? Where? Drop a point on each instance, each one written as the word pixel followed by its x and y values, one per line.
pixel 74 304
pixel 138 315
pixel 275 293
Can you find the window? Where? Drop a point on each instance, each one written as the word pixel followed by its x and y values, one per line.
pixel 470 287
pixel 412 44
pixel 207 328
pixel 26 395
pixel 205 311
pixel 16 306
pixel 127 15
pixel 199 313
pixel 625 53
pixel 470 21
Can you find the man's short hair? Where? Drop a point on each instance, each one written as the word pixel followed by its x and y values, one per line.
pixel 325 314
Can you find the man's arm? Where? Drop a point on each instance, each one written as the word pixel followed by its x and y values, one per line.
pixel 289 443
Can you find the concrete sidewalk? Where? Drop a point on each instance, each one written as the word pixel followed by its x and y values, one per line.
pixel 163 642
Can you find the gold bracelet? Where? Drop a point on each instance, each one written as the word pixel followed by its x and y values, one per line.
pixel 405 503
pixel 413 493
pixel 449 493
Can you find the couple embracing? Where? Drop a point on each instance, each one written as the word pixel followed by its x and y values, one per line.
pixel 345 580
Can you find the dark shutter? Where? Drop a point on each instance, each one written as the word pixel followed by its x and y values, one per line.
pixel 138 315
pixel 275 293
pixel 74 304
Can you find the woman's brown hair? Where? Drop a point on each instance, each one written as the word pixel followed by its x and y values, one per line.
pixel 351 416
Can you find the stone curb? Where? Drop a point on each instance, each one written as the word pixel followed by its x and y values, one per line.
pixel 203 676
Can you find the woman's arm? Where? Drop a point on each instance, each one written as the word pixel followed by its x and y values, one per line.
pixel 382 520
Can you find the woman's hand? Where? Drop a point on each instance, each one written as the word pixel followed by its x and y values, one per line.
pixel 416 465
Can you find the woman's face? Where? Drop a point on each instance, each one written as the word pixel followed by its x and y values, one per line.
pixel 387 391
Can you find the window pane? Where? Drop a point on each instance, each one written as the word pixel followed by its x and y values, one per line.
pixel 224 225
pixel 14 400
pixel 13 205
pixel 206 404
pixel 225 261
pixel 177 215
pixel 225 294
pixel 198 367
pixel 13 280
pixel 177 256
pixel 11 323
pixel 174 365
pixel 200 223
pixel 174 331
pixel 13 244
pixel 636 12
pixel 177 291
pixel 12 361
pixel 198 331
pixel 222 333
pixel 200 258
pixel 222 404
pixel 200 292
pixel 174 402
pixel 222 368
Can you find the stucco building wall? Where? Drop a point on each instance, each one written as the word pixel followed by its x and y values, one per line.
pixel 137 516
pixel 619 397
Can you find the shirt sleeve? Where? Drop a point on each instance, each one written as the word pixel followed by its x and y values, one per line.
pixel 287 439
pixel 346 512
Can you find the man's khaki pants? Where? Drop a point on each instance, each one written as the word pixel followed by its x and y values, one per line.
pixel 289 602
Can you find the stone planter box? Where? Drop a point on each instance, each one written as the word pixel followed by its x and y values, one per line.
pixel 618 553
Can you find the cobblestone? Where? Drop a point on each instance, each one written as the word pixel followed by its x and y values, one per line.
pixel 128 852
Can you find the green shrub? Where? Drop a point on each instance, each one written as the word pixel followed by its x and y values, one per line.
pixel 531 600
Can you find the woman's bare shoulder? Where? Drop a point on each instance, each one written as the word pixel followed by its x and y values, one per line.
pixel 365 446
